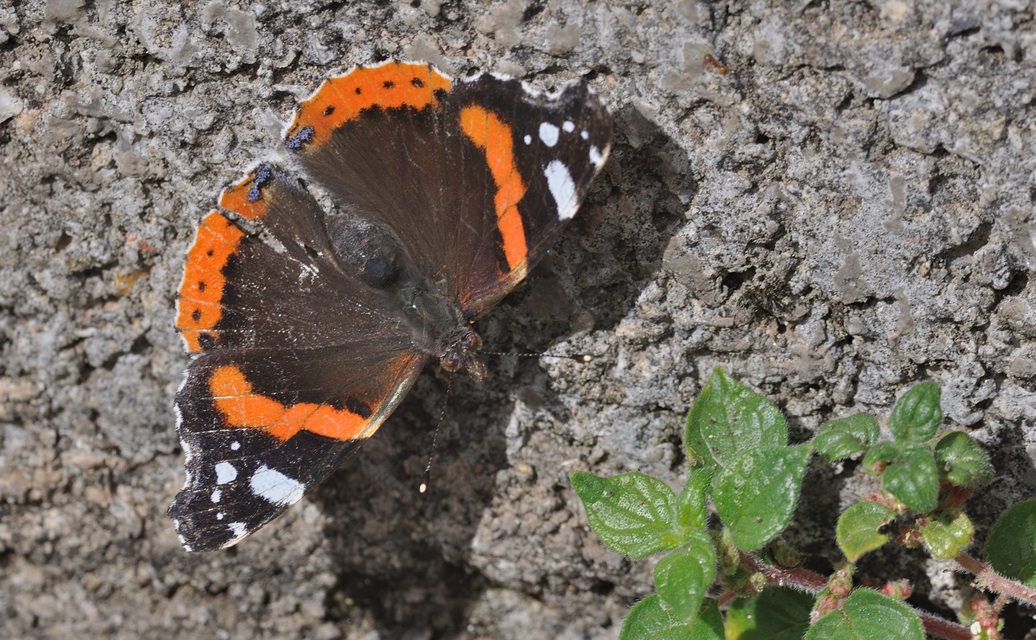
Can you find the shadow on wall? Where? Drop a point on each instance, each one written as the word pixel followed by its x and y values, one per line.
pixel 403 555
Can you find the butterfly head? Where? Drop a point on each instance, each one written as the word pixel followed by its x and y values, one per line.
pixel 460 353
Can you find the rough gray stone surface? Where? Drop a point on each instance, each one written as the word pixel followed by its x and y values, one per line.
pixel 847 211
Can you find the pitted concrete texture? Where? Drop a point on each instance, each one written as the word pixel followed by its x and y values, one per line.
pixel 847 210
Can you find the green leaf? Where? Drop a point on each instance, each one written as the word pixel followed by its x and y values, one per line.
pixel 842 438
pixel 755 495
pixel 632 513
pixel 917 414
pixel 947 537
pixel 779 613
pixel 879 456
pixel 962 461
pixel 692 509
pixel 683 577
pixel 709 625
pixel 857 528
pixel 1011 547
pixel 728 418
pixel 868 615
pixel 914 479
pixel 649 620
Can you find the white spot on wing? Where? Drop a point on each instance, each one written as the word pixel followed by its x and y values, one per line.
pixel 528 139
pixel 559 181
pixel 216 495
pixel 584 134
pixel 595 156
pixel 219 515
pixel 225 472
pixel 549 134
pixel 188 450
pixel 235 445
pixel 237 529
pixel 274 486
pixel 569 126
pixel 183 543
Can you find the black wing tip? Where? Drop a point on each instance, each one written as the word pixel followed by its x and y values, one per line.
pixel 199 530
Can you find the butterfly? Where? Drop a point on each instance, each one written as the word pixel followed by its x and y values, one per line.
pixel 308 324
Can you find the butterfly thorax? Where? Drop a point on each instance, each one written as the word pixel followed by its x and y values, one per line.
pixel 436 324
pixel 438 328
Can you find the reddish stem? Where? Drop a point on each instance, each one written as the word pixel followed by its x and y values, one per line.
pixel 986 578
pixel 800 579
pixel 814 583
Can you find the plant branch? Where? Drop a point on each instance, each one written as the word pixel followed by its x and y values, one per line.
pixel 800 579
pixel 813 583
pixel 988 579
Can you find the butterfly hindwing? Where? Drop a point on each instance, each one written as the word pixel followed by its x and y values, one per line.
pixel 241 290
pixel 404 162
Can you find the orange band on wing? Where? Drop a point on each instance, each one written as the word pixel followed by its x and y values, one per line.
pixel 342 98
pixel 242 407
pixel 487 132
pixel 244 198
pixel 203 280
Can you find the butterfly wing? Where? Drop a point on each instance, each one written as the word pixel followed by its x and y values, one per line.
pixel 477 178
pixel 542 151
pixel 259 427
pixel 297 362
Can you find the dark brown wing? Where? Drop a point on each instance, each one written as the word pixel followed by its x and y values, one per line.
pixel 476 178
pixel 554 144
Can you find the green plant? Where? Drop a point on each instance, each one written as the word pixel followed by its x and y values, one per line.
pixel 739 580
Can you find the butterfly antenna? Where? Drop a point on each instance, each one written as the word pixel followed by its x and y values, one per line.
pixel 578 357
pixel 426 477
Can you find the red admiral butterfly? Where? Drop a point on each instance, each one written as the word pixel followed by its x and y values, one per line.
pixel 307 327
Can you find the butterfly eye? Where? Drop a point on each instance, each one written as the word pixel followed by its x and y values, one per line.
pixel 450 362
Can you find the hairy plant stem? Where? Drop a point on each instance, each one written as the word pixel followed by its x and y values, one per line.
pixel 813 583
pixel 988 579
